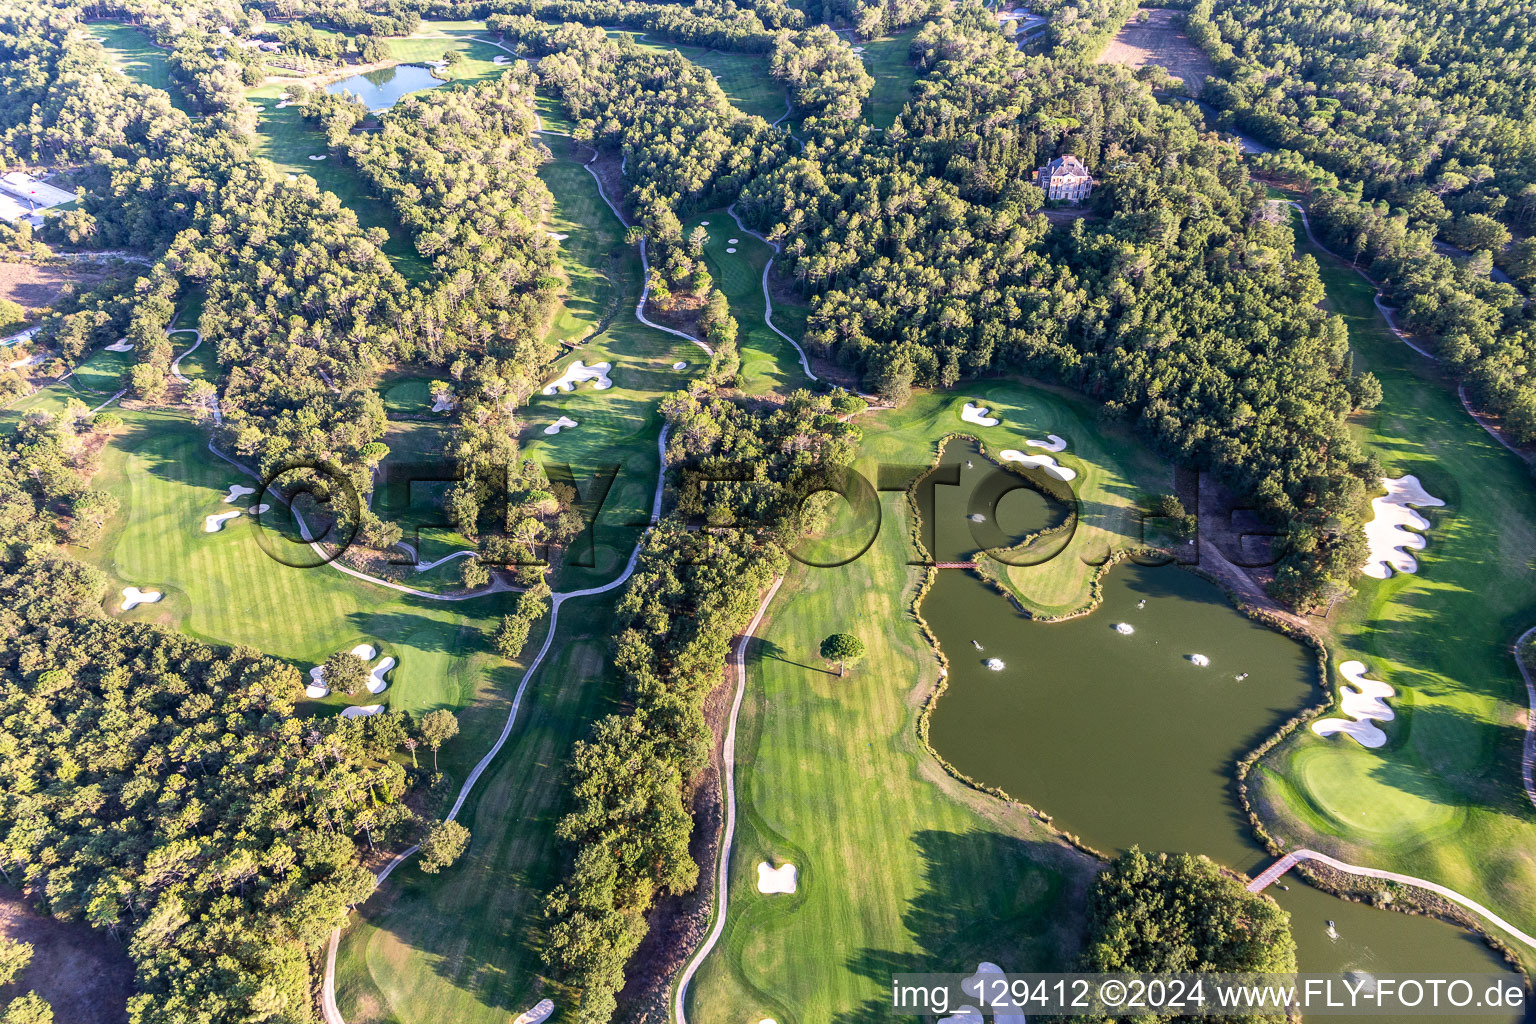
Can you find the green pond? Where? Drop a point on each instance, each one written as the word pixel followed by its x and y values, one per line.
pixel 382 89
pixel 1121 737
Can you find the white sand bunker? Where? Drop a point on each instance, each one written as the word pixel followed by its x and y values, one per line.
pixel 215 523
pixel 733 241
pixel 1044 462
pixel 730 248
pixel 317 156
pixel 557 236
pixel 501 60
pixel 680 365
pixel 442 403
pixel 978 414
pixel 703 223
pixel 578 372
pixel 1052 443
pixel 133 597
pixel 376 683
pixel 1387 534
pixel 1364 702
pixel 989 985
pixel 120 345
pixel 236 492
pixel 775 879
pixel 964 1015
pixel 560 424
pixel 361 712
pixel 544 1007
pixel 318 687
pixel 283 104
pixel 257 510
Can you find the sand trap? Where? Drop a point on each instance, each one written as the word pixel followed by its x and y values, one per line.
pixel 560 424
pixel 557 236
pixel 1044 462
pixel 361 712
pixel 442 403
pixel 775 880
pixel 364 652
pixel 215 523
pixel 1364 701
pixel 987 985
pixel 120 345
pixel 1052 443
pixel 1387 534
pixel 964 1015
pixel 257 510
pixel 730 248
pixel 578 372
pixel 1199 660
pixel 281 104
pixel 733 241
pixel 376 683
pixel 544 1007
pixel 703 223
pixel 236 492
pixel 977 414
pixel 314 691
pixel 133 597
pixel 501 60
pixel 317 156
pixel 858 49
pixel 680 366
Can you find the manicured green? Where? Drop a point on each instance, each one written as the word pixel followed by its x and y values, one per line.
pixel 135 55
pixel 408 396
pixel 103 371
pixel 1442 800
pixel 768 362
pixel 901 867
pixel 887 61
pixel 225 587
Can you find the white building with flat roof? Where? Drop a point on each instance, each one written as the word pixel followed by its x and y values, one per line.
pixel 23 197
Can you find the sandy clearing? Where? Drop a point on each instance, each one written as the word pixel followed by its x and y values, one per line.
pixel 774 880
pixel 578 372
pixel 978 414
pixel 1364 701
pixel 133 597
pixel 1052 443
pixel 561 424
pixel 1045 462
pixel 1388 535
pixel 1161 41
pixel 215 523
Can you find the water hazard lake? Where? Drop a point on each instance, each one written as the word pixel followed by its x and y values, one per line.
pixel 382 89
pixel 1123 739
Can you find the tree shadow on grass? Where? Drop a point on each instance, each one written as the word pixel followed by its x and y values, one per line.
pixel 768 650
pixel 987 897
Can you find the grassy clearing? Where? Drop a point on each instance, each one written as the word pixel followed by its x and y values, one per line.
pixel 901 868
pixel 743 77
pixel 224 587
pixel 464 945
pixel 887 61
pixel 408 396
pixel 619 426
pixel 132 53
pixel 104 372
pixel 288 140
pixel 768 363
pixel 1442 800
pixel 1114 470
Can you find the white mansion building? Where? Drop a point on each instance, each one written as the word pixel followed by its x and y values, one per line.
pixel 1065 178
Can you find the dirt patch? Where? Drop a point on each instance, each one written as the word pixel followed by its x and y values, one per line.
pixel 1161 40
pixel 84 974
pixel 35 286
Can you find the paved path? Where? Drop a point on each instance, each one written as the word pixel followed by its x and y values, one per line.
pixel 1528 760
pixel 767 298
pixel 1461 392
pixel 1290 860
pixel 728 788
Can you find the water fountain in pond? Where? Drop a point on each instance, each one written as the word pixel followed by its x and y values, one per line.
pixel 1124 628
pixel 977 517
pixel 995 664
pixel 1199 660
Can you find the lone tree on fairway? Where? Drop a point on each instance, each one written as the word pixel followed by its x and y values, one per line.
pixel 438 728
pixel 444 843
pixel 345 671
pixel 844 648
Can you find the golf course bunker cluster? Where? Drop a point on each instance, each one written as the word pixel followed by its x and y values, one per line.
pixel 578 372
pixel 1390 534
pixel 1364 701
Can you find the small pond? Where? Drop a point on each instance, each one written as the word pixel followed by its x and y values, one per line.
pixel 382 89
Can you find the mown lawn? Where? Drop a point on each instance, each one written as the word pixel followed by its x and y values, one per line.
pixel 901 868
pixel 1442 800
pixel 132 53
pixel 768 362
